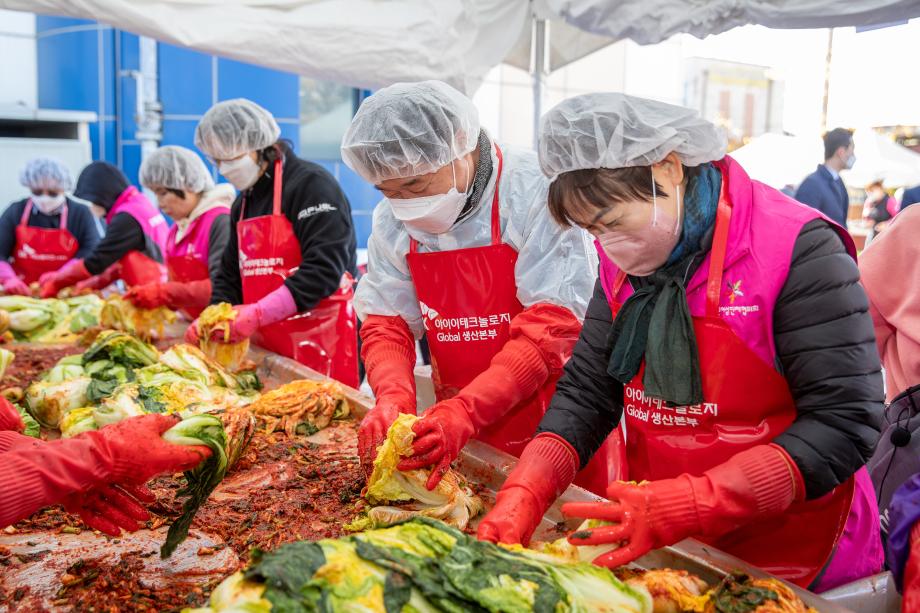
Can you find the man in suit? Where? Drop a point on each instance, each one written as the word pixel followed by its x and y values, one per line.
pixel 823 189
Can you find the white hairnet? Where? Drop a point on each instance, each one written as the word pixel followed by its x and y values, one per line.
pixel 175 167
pixel 234 127
pixel 611 130
pixel 555 265
pixel 410 129
pixel 46 173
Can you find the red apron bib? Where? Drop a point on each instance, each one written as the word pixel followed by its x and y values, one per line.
pixel 468 298
pixel 185 269
pixel 324 338
pixel 746 403
pixel 41 250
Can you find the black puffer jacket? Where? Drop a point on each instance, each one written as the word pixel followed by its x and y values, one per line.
pixel 825 347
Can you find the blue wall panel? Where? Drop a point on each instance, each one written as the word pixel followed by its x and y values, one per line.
pixel 185 81
pixel 276 91
pixel 131 162
pixel 67 68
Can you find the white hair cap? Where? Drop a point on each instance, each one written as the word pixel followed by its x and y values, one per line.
pixel 46 173
pixel 612 130
pixel 175 167
pixel 234 127
pixel 410 129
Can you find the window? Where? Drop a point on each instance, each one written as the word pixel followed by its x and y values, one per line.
pixel 326 110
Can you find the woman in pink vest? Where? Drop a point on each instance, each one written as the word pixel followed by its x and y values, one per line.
pixel 196 242
pixel 135 235
pixel 729 333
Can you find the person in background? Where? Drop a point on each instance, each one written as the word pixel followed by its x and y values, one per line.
pixel 135 236
pixel 97 475
pixel 824 189
pixel 879 208
pixel 910 196
pixel 463 250
pixel 43 232
pixel 289 264
pixel 196 242
pixel 729 330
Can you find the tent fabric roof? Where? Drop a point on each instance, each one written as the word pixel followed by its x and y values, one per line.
pixel 373 43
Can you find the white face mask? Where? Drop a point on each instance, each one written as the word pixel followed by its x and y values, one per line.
pixel 850 161
pixel 49 205
pixel 432 214
pixel 242 172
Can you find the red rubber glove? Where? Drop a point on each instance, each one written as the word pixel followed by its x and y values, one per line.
pixel 388 351
pixel 42 473
pixel 758 482
pixel 70 273
pixel 191 333
pixel 147 296
pixel 112 508
pixel 173 295
pixel 541 340
pixel 911 595
pixel 10 419
pixel 101 281
pixel 545 469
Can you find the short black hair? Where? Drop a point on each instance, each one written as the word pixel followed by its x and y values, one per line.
pixel 835 139
pixel 177 192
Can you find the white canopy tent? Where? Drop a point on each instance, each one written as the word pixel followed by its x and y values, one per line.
pixel 372 43
pixel 780 160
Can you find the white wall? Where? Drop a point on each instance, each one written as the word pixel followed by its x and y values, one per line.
pixel 18 69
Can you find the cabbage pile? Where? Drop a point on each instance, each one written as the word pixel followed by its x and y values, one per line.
pixel 120 376
pixel 35 320
pixel 452 501
pixel 419 566
pixel 119 314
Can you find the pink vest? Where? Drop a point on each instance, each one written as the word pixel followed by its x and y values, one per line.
pixel 764 227
pixel 152 221
pixel 195 242
pixel 756 262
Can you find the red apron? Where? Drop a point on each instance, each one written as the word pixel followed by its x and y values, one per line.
pixel 185 269
pixel 468 298
pixel 746 403
pixel 324 338
pixel 41 250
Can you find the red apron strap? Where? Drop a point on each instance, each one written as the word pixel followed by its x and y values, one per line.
pixel 496 218
pixel 24 220
pixel 276 192
pixel 719 245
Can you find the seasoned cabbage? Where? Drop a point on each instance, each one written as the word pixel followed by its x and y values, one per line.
pixel 49 402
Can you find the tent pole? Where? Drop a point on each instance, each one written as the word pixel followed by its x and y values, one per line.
pixel 538 46
pixel 827 78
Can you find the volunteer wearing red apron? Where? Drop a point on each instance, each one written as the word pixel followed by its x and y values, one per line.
pixel 135 235
pixel 39 234
pixel 462 250
pixel 197 240
pixel 289 264
pixel 729 330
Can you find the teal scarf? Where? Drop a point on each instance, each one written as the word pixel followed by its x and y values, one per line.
pixel 655 323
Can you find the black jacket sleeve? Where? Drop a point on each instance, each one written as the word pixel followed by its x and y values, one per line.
pixel 122 235
pixel 218 238
pixel 8 222
pixel 323 226
pixel 826 347
pixel 81 224
pixel 588 402
pixel 226 284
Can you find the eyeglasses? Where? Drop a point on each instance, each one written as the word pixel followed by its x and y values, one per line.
pixel 46 192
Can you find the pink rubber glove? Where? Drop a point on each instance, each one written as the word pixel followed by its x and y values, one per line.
pixel 759 482
pixel 11 282
pixel 45 276
pixel 272 308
